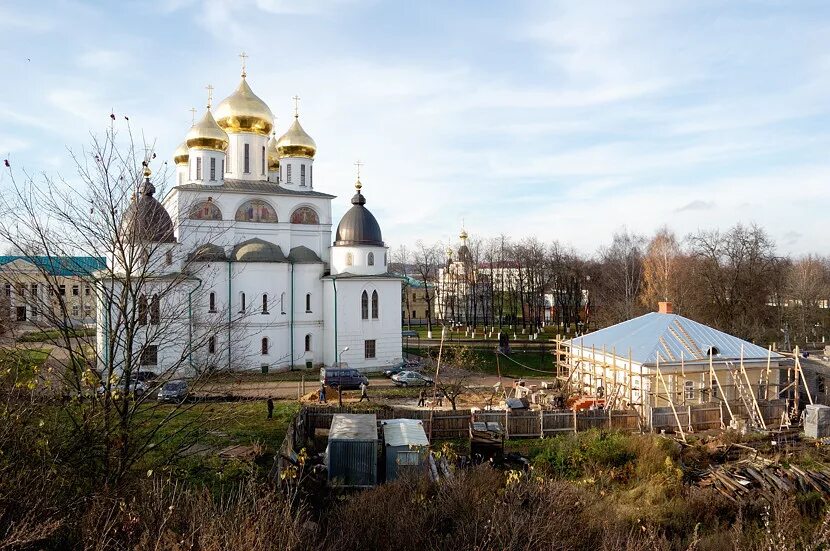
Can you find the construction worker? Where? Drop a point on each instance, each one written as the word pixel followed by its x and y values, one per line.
pixel 421 398
pixel 321 394
pixel 363 393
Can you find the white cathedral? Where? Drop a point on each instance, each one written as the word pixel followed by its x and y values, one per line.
pixel 247 231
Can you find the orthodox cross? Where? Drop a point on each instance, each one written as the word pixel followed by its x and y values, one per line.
pixel 358 164
pixel 209 88
pixel 243 56
pixel 192 116
pixel 296 106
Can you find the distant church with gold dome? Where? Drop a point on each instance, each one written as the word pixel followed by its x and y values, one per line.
pixel 247 226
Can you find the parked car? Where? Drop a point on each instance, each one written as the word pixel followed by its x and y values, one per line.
pixel 405 365
pixel 174 391
pixel 347 378
pixel 412 378
pixel 145 376
pixel 136 388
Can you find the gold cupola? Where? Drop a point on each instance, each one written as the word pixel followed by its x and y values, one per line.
pixel 296 142
pixel 273 155
pixel 181 156
pixel 206 134
pixel 243 111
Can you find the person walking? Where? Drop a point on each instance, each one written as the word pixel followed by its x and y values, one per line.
pixel 321 394
pixel 270 404
pixel 363 393
pixel 421 398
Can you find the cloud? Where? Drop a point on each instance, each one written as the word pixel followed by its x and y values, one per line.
pixel 696 205
pixel 106 60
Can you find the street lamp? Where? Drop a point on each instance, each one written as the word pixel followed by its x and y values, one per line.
pixel 340 356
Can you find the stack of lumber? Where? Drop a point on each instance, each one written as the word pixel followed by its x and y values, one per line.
pixel 752 478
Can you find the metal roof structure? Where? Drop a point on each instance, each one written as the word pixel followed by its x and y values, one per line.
pixel 61 265
pixel 404 432
pixel 669 337
pixel 257 186
pixel 354 426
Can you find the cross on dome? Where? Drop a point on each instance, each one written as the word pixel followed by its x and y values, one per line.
pixel 209 88
pixel 296 106
pixel 243 56
pixel 192 116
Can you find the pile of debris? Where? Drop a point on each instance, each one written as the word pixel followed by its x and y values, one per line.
pixel 749 479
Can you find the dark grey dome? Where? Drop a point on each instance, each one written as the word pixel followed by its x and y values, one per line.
pixel 303 255
pixel 257 250
pixel 208 253
pixel 146 219
pixel 358 226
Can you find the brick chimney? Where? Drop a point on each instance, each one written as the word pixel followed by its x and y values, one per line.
pixel 665 307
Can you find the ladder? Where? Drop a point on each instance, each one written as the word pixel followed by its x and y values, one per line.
pixel 687 341
pixel 747 396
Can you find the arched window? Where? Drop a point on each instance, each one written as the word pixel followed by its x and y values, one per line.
pixel 364 306
pixel 242 303
pixel 308 343
pixel 305 215
pixel 264 346
pixel 142 310
pixel 374 305
pixel 282 302
pixel 349 259
pixel 256 210
pixel 384 259
pixel 308 302
pixel 205 210
pixel 265 303
pixel 155 310
pixel 212 302
pixel 371 259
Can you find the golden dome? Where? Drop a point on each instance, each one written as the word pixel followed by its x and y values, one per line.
pixel 243 111
pixel 181 155
pixel 463 235
pixel 296 143
pixel 273 155
pixel 206 134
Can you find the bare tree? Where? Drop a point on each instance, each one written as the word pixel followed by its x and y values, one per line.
pixel 427 261
pixel 619 277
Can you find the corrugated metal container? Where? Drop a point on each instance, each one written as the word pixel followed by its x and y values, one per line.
pixel 405 446
pixel 352 452
pixel 817 421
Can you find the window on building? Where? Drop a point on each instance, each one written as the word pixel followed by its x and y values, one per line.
pixel 212 345
pixel 198 168
pixel 76 290
pixel 302 175
pixel 21 290
pixel 374 305
pixel 364 306
pixel 150 355
pixel 689 390
pixel 88 310
pixel 223 166
pixel 371 259
pixel 155 310
pixel 308 343
pixel 8 289
pixel 349 259
pixel 384 259
pixel 242 303
pixel 33 290
pixel 212 302
pixel 263 160
pixel 264 303
pixel 282 302
pixel 247 159
pixel 168 257
pixel 87 290
pixel 308 303
pixel 414 315
pixel 142 310
pixel 288 173
pixel 75 310
pixel 264 346
pixel 62 290
pixel 369 349
pixel 310 173
pixel 213 169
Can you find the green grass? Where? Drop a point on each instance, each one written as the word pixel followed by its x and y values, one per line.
pixel 490 363
pixel 53 335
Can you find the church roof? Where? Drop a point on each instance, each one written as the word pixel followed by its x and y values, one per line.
pixel 669 337
pixel 257 250
pixel 303 255
pixel 358 226
pixel 253 186
pixel 208 253
pixel 146 219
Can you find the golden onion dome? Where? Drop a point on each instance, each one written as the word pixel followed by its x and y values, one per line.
pixel 463 235
pixel 243 111
pixel 296 142
pixel 206 134
pixel 181 155
pixel 273 155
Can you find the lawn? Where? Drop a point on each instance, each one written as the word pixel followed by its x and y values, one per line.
pixel 532 363
pixel 53 335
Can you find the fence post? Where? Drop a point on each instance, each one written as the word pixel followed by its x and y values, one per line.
pixel 507 424
pixel 541 423
pixel 574 418
pixel 609 418
pixel 689 418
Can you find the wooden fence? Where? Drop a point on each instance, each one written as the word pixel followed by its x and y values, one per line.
pixel 712 415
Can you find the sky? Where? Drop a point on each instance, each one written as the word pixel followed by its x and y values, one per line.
pixel 562 120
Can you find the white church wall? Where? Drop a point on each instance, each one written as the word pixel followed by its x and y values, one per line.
pixel 355 260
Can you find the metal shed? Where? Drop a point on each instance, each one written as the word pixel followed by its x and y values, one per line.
pixel 405 446
pixel 351 454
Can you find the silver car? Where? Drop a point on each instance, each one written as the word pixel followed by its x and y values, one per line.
pixel 174 391
pixel 411 378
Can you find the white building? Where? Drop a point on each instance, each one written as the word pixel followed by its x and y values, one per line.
pixel 246 237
